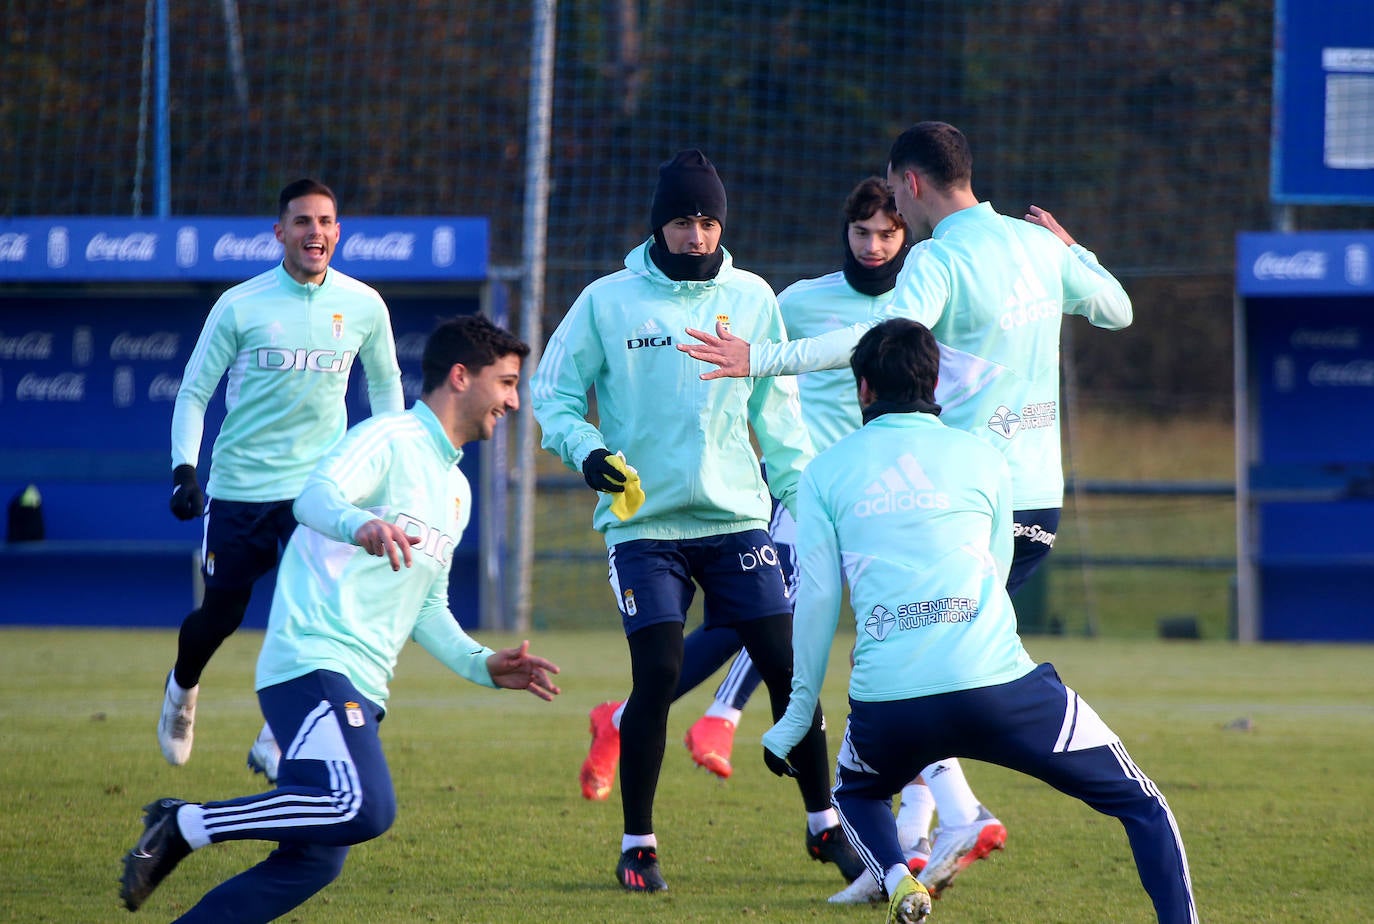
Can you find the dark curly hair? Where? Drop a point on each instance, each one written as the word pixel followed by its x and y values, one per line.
pixel 469 339
pixel 899 359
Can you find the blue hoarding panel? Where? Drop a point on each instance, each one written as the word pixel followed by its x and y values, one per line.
pixel 88 377
pixel 1313 378
pixel 1310 263
pixel 1304 440
pixel 88 249
pixel 1323 124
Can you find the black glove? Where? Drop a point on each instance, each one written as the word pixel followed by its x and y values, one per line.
pixel 778 765
pixel 602 475
pixel 188 500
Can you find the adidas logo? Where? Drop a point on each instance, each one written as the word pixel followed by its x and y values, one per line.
pixel 648 334
pixel 900 488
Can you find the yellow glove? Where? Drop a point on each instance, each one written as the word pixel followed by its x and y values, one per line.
pixel 626 502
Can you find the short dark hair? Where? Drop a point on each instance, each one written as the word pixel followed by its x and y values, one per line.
pixel 468 339
pixel 869 198
pixel 304 187
pixel 936 149
pixel 899 359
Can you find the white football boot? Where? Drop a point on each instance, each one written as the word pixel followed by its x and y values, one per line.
pixel 175 726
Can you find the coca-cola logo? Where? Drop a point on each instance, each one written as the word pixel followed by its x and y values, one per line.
pixel 259 247
pixel 392 247
pixel 66 386
pixel 1336 338
pixel 1357 373
pixel 1305 264
pixel 164 388
pixel 161 345
pixel 13 247
pixel 139 247
pixel 36 344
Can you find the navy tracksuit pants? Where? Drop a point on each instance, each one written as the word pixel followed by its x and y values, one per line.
pixel 1034 724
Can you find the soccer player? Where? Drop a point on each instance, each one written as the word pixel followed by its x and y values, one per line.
pixel 704 512
pixel 287 339
pixel 993 290
pixel 368 569
pixel 875 243
pixel 914 516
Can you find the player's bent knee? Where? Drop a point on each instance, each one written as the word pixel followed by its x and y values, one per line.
pixel 374 818
pixel 319 865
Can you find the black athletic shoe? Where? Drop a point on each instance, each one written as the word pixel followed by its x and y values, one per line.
pixel 831 846
pixel 155 855
pixel 637 871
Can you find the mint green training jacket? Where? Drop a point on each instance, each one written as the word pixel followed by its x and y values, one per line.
pixel 993 290
pixel 688 438
pixel 288 348
pixel 339 609
pixel 915 517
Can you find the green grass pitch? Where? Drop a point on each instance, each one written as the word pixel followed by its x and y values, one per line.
pixel 1263 752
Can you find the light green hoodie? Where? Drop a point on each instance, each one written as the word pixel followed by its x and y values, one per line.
pixel 688 438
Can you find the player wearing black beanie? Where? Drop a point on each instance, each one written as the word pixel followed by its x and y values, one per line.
pixel 688 187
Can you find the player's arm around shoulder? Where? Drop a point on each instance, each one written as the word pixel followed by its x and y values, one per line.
pixel 1089 289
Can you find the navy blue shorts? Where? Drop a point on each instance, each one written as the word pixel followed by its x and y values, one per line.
pixel 243 540
pixel 654 580
pixel 1033 538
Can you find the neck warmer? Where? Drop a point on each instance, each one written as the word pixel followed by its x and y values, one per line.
pixel 685 267
pixel 879 408
pixel 871 280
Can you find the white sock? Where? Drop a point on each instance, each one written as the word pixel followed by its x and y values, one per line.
pixel 914 814
pixel 191 824
pixel 177 690
pixel 894 877
pixel 629 841
pixel 619 711
pixel 954 799
pixel 816 822
pixel 719 710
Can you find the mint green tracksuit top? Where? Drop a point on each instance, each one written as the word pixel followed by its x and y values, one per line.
pixel 288 348
pixel 915 517
pixel 993 290
pixel 688 438
pixel 829 397
pixel 339 609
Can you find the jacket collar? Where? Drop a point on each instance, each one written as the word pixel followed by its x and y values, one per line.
pixel 974 214
pixel 447 451
pixel 302 289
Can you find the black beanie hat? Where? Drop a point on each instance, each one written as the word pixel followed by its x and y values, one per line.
pixel 687 185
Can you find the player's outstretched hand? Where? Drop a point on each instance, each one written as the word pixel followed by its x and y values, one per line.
pixel 725 350
pixel 380 538
pixel 517 669
pixel 1038 216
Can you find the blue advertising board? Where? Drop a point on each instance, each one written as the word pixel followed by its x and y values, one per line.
pixel 95 332
pixel 1304 447
pixel 1323 113
pixel 101 249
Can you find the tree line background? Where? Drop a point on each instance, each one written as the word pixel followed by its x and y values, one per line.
pixel 1144 126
